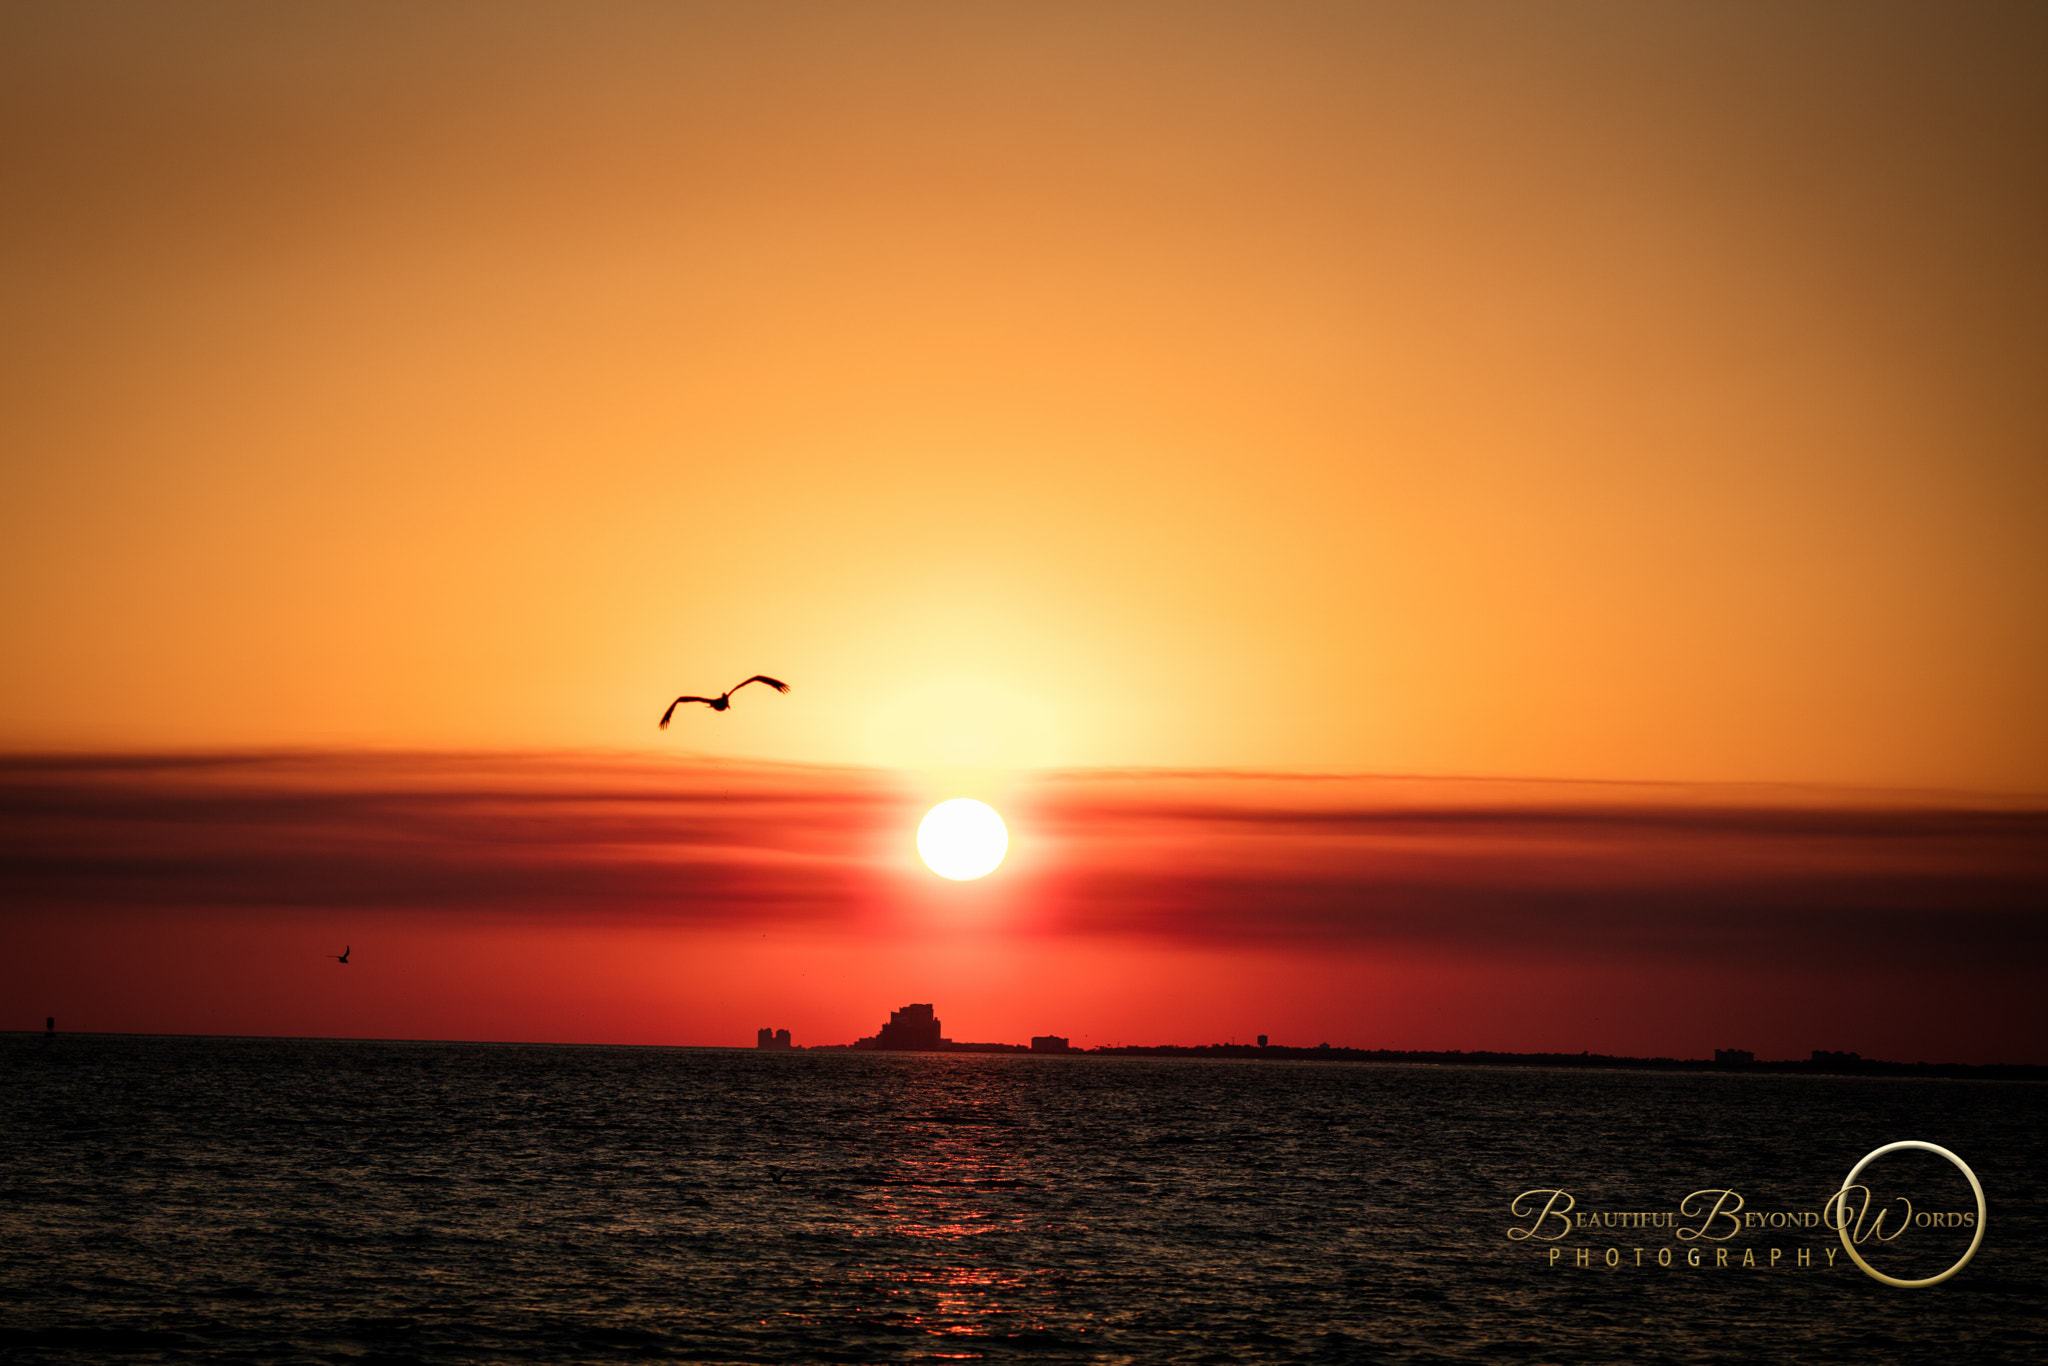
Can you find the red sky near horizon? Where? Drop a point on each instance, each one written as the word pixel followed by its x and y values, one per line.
pixel 1058 396
pixel 600 899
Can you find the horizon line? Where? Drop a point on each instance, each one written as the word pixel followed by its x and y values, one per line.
pixel 1223 1052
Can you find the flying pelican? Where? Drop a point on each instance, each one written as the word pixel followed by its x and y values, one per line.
pixel 342 957
pixel 724 699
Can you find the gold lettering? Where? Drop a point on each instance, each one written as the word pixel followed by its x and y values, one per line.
pixel 1805 1256
pixel 1639 1256
pixel 1840 1204
pixel 1614 1256
pixel 1748 1257
pixel 1722 1210
pixel 1775 1254
pixel 1831 1256
pixel 1555 1253
pixel 1551 1209
pixel 1585 1256
pixel 1692 1256
pixel 1663 1256
pixel 1877 1224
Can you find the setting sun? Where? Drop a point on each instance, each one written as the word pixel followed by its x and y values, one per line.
pixel 962 839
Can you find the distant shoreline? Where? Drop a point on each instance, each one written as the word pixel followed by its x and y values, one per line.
pixel 1859 1067
pixel 1831 1067
pixel 1839 1065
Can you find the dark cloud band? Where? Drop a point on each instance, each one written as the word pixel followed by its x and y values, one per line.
pixel 1211 859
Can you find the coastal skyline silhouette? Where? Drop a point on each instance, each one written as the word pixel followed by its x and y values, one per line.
pixel 915 1028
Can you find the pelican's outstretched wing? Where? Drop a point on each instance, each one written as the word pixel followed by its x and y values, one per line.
pixel 774 683
pixel 679 702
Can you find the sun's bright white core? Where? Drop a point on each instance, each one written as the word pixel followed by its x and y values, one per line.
pixel 962 839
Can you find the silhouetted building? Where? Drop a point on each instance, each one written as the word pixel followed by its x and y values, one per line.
pixel 1262 1041
pixel 1733 1057
pixel 913 1027
pixel 779 1038
pixel 50 1025
pixel 1049 1043
pixel 1822 1055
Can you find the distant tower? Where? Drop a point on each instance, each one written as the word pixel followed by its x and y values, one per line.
pixel 764 1038
pixel 782 1039
pixel 913 1027
pixel 50 1025
pixel 1262 1041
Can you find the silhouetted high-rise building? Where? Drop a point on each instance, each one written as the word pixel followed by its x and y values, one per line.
pixel 776 1038
pixel 914 1026
pixel 1048 1043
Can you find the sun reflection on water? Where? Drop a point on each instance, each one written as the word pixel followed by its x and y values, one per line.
pixel 957 1183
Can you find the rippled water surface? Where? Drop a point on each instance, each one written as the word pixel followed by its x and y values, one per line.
pixel 326 1201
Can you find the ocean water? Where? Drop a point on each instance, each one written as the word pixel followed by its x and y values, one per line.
pixel 244 1200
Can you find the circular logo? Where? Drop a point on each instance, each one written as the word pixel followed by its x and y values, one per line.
pixel 1839 1201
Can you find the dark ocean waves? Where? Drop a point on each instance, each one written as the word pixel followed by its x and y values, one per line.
pixel 283 1201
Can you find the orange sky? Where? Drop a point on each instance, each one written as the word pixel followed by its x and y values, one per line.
pixel 1593 391
pixel 1562 390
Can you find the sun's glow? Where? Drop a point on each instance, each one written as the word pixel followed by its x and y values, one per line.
pixel 960 723
pixel 962 839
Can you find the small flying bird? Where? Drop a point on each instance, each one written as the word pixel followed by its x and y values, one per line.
pixel 724 699
pixel 342 957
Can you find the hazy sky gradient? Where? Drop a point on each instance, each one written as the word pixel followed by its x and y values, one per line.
pixel 1606 390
